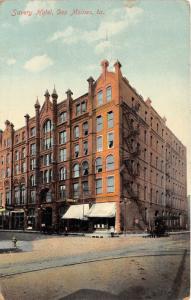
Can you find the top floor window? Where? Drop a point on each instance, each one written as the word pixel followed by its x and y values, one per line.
pixel 32 131
pixel 62 116
pixel 99 123
pixel 84 106
pixel 76 132
pixel 110 119
pixel 78 109
pixel 108 93
pixel 47 126
pixel 100 98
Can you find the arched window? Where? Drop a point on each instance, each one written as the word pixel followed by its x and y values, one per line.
pixel 76 170
pixel 98 165
pixel 76 132
pixel 63 173
pixel 47 126
pixel 85 168
pixel 110 162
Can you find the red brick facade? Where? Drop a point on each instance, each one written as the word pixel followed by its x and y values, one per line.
pixel 109 145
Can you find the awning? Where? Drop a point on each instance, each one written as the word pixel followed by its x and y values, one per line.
pixel 77 211
pixel 2 210
pixel 102 210
pixel 17 211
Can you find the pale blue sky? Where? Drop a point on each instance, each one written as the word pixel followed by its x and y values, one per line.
pixel 150 38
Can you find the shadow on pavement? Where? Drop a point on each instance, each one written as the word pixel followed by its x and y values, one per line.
pixel 136 292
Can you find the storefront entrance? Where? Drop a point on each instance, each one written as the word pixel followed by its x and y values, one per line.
pixel 18 220
pixel 46 217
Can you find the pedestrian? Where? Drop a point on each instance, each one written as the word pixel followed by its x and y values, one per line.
pixel 112 231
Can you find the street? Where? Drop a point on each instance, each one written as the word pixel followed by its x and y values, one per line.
pixel 86 268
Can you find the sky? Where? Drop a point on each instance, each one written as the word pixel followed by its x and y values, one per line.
pixel 62 42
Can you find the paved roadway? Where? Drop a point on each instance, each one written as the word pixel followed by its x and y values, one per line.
pixel 158 270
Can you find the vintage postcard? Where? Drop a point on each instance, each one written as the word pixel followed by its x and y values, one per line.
pixel 95 149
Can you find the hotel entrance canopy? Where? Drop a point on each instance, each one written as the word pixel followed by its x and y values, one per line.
pixel 78 211
pixel 102 210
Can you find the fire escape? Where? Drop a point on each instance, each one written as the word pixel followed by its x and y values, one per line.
pixel 130 169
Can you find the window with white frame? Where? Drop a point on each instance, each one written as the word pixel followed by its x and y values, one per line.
pixel 63 137
pixel 63 173
pixel 110 140
pixel 85 168
pixel 76 132
pixel 100 98
pixel 47 126
pixel 99 123
pixel 16 155
pixel 110 119
pixel 110 184
pixel 62 192
pixel 23 167
pixel 108 93
pixel 33 164
pixel 76 171
pixel 85 128
pixel 8 173
pixel 47 142
pixel 76 190
pixel 23 194
pixel 23 152
pixel 8 197
pixel 98 186
pixel 33 149
pixel 110 162
pixel 62 154
pixel 98 164
pixel 99 143
pixel 16 169
pixel 32 180
pixel 17 195
pixel 76 150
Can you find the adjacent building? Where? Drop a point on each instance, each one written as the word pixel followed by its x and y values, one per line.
pixel 103 159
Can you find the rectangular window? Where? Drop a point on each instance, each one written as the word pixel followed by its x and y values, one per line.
pixel 110 140
pixel 76 190
pixel 100 98
pixel 62 192
pixel 32 196
pixel 23 167
pixel 78 109
pixel 85 128
pixel 110 119
pixel 110 184
pixel 8 198
pixel 99 144
pixel 84 107
pixel 63 117
pixel 98 186
pixel 33 131
pixel 108 93
pixel 33 164
pixel 1 199
pixel 85 148
pixel 76 150
pixel 33 149
pixel 63 137
pixel 85 187
pixel 99 123
pixel 62 154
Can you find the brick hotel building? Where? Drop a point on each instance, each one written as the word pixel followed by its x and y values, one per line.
pixel 103 159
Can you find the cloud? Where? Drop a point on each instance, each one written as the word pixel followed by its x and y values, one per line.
pixel 11 61
pixel 114 24
pixel 38 63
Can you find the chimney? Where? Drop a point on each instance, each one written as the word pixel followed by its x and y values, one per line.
pixel 104 65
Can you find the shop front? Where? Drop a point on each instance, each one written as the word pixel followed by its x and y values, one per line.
pixel 102 216
pixel 17 219
pixel 75 220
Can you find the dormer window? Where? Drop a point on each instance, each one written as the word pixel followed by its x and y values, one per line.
pixel 62 117
pixel 33 131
